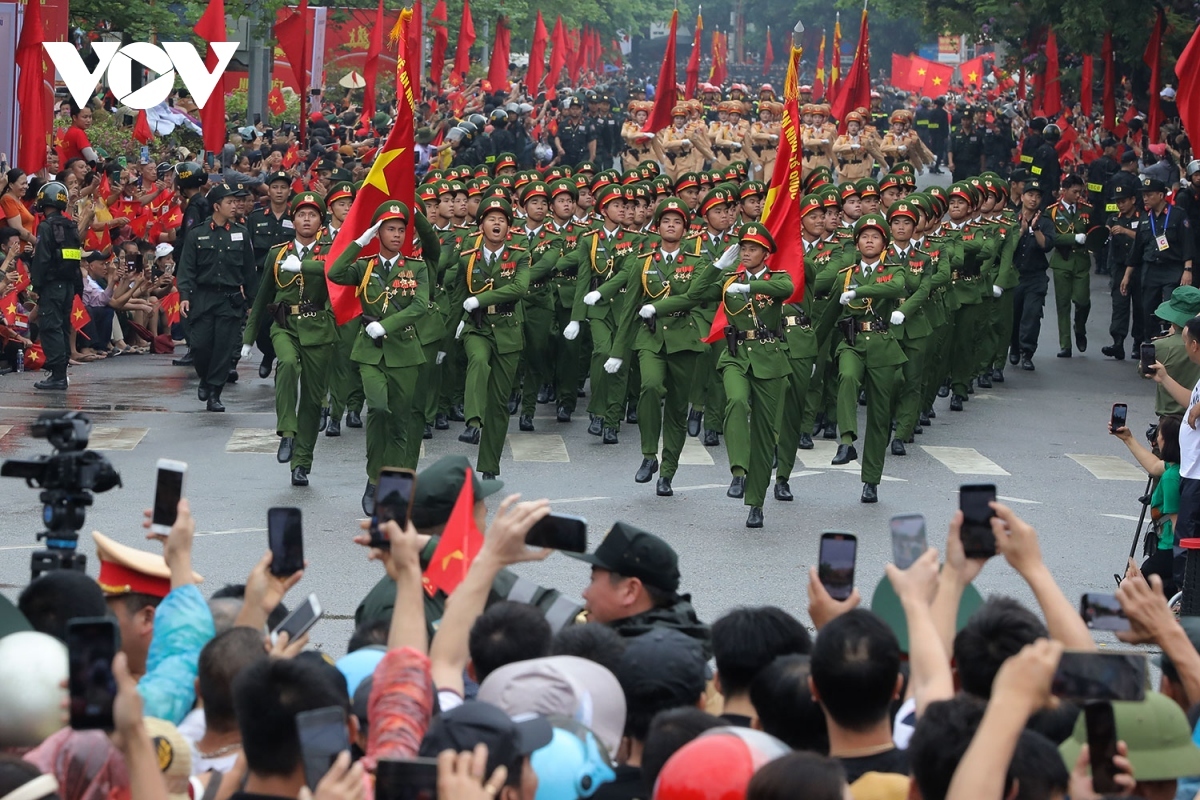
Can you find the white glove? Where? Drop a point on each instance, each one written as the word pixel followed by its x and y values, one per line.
pixel 996 290
pixel 368 235
pixel 847 297
pixel 897 317
pixel 855 146
pixel 375 330
pixel 591 298
pixel 902 148
pixel 458 331
pixel 1080 238
pixel 612 365
pixel 688 142
pixel 290 264
pixel 824 141
pixel 571 331
pixel 470 304
pixel 739 288
pixel 441 356
pixel 728 258
pixel 647 311
pixel 245 351
pixel 737 145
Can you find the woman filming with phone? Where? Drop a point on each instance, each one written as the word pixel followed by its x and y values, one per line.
pixel 1162 463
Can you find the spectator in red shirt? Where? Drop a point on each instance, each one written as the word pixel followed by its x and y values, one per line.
pixel 74 142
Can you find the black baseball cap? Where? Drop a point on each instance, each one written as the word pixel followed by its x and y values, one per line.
pixel 1153 185
pixel 661 664
pixel 1129 157
pixel 281 175
pixel 635 553
pixel 508 739
pixel 438 486
pixel 1019 175
pixel 1121 191
pixel 1033 185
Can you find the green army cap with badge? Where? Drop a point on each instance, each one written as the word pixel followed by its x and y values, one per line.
pixel 671 205
pixel 534 189
pixel 631 552
pixel 757 233
pixel 309 200
pixel 342 189
pixel 875 221
pixel 904 208
pixel 491 205
pixel 390 209
pixel 563 186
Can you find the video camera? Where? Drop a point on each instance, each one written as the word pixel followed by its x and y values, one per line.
pixel 67 479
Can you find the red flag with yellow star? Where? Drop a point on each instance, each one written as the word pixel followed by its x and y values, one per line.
pixel 8 308
pixel 276 102
pixel 35 357
pixel 461 541
pixel 79 315
pixel 391 178
pixel 170 306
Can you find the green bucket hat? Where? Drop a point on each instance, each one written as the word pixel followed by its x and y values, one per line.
pixel 438 486
pixel 1183 305
pixel 1158 736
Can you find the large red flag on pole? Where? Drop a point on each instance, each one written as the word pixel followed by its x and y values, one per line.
pixel 292 35
pixel 1051 96
pixel 537 57
pixel 371 67
pixel 211 28
pixel 441 36
pixel 391 176
pixel 1086 78
pixel 901 67
pixel 835 62
pixel 664 91
pixel 412 50
pixel 856 91
pixel 720 53
pixel 769 55
pixel 466 38
pixel 558 57
pixel 498 70
pixel 693 65
pixel 818 86
pixel 31 92
pixel 1153 59
pixel 1109 120
pixel 1187 99
pixel 573 56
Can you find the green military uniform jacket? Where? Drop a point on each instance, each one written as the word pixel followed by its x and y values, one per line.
pixel 966 280
pixel 544 246
pixel 876 296
pixel 757 317
pixel 701 244
pixel 398 297
pixel 564 273
pixel 673 286
pixel 934 307
pixel 1008 228
pixel 1067 254
pixel 601 261
pixel 301 298
pixel 799 319
pixel 431 327
pixel 499 288
pixel 216 258
pixel 918 272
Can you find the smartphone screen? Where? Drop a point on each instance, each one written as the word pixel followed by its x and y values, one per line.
pixel 1120 412
pixel 1083 677
pixel 560 532
pixel 297 623
pixel 1148 357
pixel 323 735
pixel 835 563
pixel 908 539
pixel 167 492
pixel 91 646
pixel 410 779
pixel 285 538
pixel 393 500
pixel 977 537
pixel 1102 612
pixel 1102 746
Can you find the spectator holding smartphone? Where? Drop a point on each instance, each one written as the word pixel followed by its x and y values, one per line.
pixel 1163 464
pixel 1189 437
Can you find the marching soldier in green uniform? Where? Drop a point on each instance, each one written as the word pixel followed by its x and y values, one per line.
pixel 754 366
pixel 268 227
pixel 542 244
pixel 1003 277
pixel 345 382
pixel 216 279
pixel 1071 264
pixel 967 286
pixel 431 333
pixel 394 294
pixel 292 294
pixel 664 289
pixel 868 291
pixel 491 281
pixel 800 333
pixel 562 288
pixel 54 272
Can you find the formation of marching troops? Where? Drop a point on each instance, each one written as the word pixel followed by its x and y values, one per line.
pixel 657 290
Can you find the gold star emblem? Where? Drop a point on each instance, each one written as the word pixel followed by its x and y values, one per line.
pixel 921 72
pixel 973 76
pixel 79 313
pixel 376 177
pixel 937 81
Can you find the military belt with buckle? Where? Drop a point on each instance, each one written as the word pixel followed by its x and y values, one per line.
pixel 500 308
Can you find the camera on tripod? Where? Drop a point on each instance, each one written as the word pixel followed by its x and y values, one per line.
pixel 67 479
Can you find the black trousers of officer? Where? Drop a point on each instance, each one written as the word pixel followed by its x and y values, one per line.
pixel 1029 303
pixel 1123 305
pixel 1158 282
pixel 54 323
pixel 214 325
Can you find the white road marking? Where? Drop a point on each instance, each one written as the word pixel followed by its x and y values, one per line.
pixel 1108 468
pixel 1019 500
pixel 231 530
pixel 701 486
pixel 540 447
pixel 1121 516
pixel 107 438
pixel 4 429
pixel 964 460
pixel 252 440
pixel 693 454
pixel 577 500
pixel 821 454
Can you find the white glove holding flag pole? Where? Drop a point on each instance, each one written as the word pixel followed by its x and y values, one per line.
pixel 996 290
pixel 897 317
pixel 290 264
pixel 245 351
pixel 591 298
pixel 375 330
pixel 470 304
pixel 612 365
pixel 368 235
pixel 1080 238
pixel 847 297
pixel 739 288
pixel 571 331
pixel 728 258
pixel 458 331
pixel 647 311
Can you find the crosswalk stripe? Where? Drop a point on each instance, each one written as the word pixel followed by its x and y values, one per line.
pixel 1108 468
pixel 965 460
pixel 541 447
pixel 252 440
pixel 107 438
pixel 4 429
pixel 693 454
pixel 821 454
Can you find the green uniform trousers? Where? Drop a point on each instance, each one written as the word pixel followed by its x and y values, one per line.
pixel 936 359
pixel 708 388
pixel 535 358
pixel 879 383
pixel 345 382
pixel 608 391
pixel 663 404
pixel 910 388
pixel 751 414
pixel 1072 287
pixel 968 322
pixel 55 300
pixel 426 379
pixel 389 392
pixel 490 378
pixel 985 344
pixel 300 386
pixel 566 361
pixel 792 414
pixel 1004 327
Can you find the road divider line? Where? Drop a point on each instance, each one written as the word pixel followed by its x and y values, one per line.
pixel 1108 468
pixel 964 460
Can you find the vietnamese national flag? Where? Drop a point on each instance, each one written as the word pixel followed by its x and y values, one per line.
pixel 31 92
pixel 558 58
pixel 275 102
pixel 23 281
pixel 1153 59
pixel 665 90
pixel 35 357
pixel 1051 95
pixel 1187 99
pixel 8 307
pixel 391 178
pixel 901 66
pixel 79 315
pixel 1109 117
pixel 818 85
pixel 693 66
pixel 972 72
pixel 441 36
pixel 1086 78
pixel 462 53
pixel 211 28
pixel 371 67
pixel 573 55
pixel 498 70
pixel 170 307
pixel 855 92
pixel 292 35
pixel 461 541
pixel 932 77
pixel 537 56
pixel 769 55
pixel 412 56
pixel 141 129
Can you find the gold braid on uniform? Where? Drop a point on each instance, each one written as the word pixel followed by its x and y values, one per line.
pixel 666 291
pixel 749 301
pixel 866 306
pixel 471 268
pixel 299 276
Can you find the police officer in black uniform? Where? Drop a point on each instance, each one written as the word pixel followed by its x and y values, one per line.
pixel 1035 240
pixel 268 227
pixel 1162 252
pixel 1098 173
pixel 966 149
pixel 502 139
pixel 1123 228
pixel 998 146
pixel 576 140
pixel 216 280
pixel 190 179
pixel 608 133
pixel 56 278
